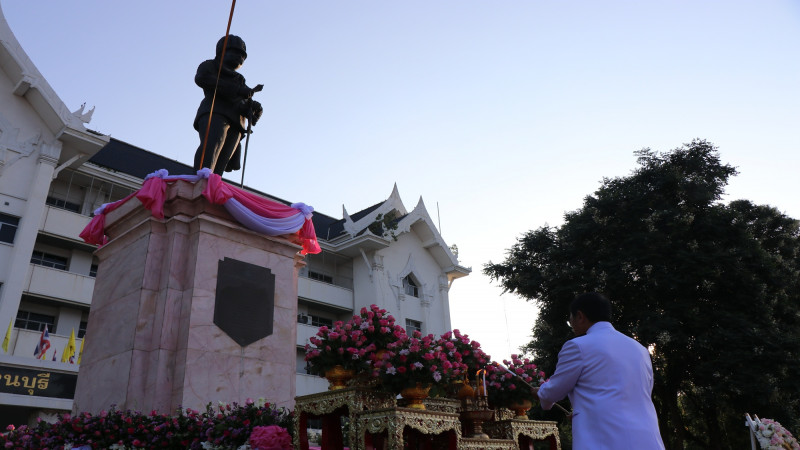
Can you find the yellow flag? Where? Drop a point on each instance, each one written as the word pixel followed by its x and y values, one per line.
pixel 80 353
pixel 69 351
pixel 8 336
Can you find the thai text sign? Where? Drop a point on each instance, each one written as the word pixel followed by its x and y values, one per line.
pixel 42 383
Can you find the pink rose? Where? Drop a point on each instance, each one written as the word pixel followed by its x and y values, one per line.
pixel 270 437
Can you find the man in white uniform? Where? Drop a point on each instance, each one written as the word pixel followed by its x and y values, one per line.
pixel 609 379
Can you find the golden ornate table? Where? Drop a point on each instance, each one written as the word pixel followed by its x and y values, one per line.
pixel 331 406
pixel 433 430
pixel 484 444
pixel 524 432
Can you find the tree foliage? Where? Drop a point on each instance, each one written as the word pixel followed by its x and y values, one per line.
pixel 712 288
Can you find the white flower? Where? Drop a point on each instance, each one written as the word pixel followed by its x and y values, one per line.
pixel 404 351
pixel 437 376
pixel 418 365
pixel 391 371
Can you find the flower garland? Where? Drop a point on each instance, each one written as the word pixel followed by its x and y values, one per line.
pixel 772 436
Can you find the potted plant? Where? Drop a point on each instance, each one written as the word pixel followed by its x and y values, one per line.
pixel 380 330
pixel 417 363
pixel 461 348
pixel 338 353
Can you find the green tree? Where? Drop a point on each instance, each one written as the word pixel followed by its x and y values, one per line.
pixel 713 289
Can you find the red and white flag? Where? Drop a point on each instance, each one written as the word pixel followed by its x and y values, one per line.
pixel 44 344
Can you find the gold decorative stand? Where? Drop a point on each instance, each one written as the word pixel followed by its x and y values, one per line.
pixel 524 432
pixel 386 429
pixel 331 406
pixel 378 423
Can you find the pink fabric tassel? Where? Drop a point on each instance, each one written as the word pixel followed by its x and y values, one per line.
pixel 152 196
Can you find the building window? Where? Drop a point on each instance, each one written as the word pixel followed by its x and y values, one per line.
pixel 63 204
pixel 320 277
pixel 318 321
pixel 48 260
pixel 33 321
pixel 410 287
pixel 93 270
pixel 412 326
pixel 8 228
pixel 82 329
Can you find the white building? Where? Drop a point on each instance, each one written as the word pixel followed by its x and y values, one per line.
pixel 54 172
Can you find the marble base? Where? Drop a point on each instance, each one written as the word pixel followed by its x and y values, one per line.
pixel 151 342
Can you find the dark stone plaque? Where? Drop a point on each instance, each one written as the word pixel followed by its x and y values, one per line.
pixel 41 383
pixel 245 302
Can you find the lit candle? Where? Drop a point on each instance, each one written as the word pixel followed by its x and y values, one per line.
pixel 483 393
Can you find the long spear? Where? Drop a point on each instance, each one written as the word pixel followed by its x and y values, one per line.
pixel 534 389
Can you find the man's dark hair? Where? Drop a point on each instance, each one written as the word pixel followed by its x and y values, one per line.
pixel 595 307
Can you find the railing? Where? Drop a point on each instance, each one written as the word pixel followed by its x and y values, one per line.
pixel 339 281
pixel 23 343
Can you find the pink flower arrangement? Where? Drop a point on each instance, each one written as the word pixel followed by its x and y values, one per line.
pixel 271 437
pixel 513 383
pixel 344 345
pixel 418 359
pixel 380 330
pixel 461 348
pixel 358 344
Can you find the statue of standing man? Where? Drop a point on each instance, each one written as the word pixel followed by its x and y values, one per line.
pixel 233 106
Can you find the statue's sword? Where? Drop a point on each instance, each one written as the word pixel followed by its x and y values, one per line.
pixel 246 143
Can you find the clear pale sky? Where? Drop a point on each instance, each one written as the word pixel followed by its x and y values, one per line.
pixel 502 115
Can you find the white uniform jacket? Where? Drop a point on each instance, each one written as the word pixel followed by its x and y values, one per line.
pixel 609 379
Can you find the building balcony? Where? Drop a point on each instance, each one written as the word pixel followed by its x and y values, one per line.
pixel 60 222
pixel 22 343
pixel 325 293
pixel 304 332
pixel 59 284
pixel 309 384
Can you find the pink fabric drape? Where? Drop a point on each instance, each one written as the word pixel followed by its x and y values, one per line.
pixel 94 233
pixel 219 192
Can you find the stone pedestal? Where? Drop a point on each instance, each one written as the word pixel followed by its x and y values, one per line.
pixel 151 342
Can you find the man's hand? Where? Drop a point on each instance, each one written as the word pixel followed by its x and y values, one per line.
pixel 258 88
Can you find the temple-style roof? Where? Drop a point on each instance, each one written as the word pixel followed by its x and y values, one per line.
pixel 28 83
